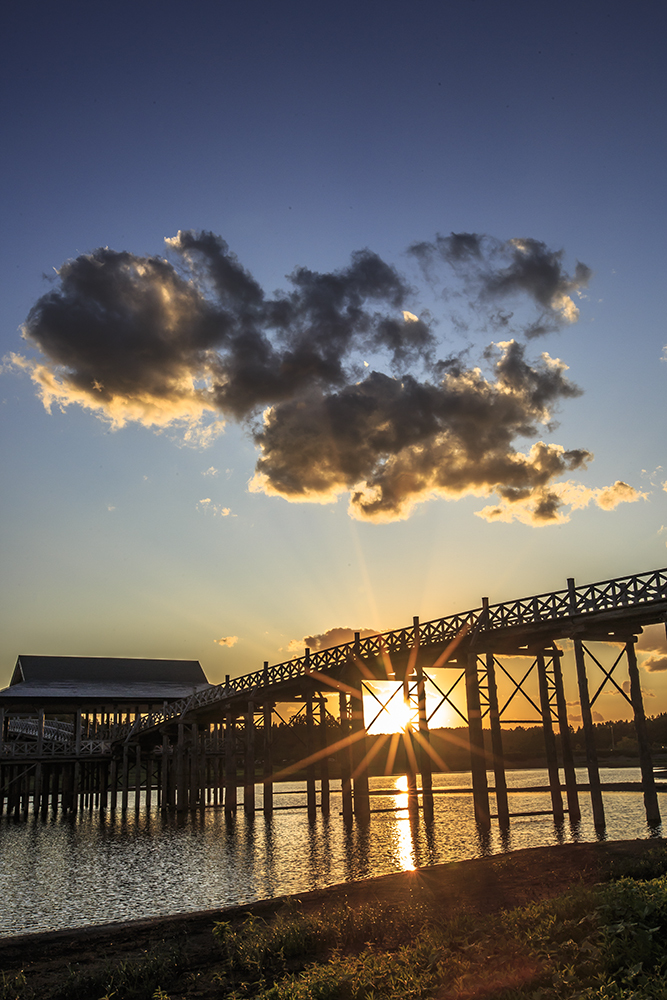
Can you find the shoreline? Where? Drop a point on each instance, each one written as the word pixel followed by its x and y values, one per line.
pixel 499 881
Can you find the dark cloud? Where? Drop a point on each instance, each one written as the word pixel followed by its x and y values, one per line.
pixel 192 339
pixel 494 270
pixel 394 442
pixel 324 640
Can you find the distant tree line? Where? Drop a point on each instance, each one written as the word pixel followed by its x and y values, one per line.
pixel 451 749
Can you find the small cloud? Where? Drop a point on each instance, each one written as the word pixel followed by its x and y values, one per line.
pixel 597 717
pixel 652 649
pixel 227 640
pixel 620 492
pixel 211 471
pixel 655 663
pixel 410 317
pixel 549 505
pixel 207 505
pixel 111 506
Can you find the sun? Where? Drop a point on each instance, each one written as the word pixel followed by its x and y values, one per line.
pixel 385 710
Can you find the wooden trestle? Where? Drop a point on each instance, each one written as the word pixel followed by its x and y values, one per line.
pixel 197 752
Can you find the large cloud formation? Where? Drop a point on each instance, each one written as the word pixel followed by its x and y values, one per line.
pixel 191 340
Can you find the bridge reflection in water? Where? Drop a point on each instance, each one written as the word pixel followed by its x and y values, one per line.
pixel 188 755
pixel 66 871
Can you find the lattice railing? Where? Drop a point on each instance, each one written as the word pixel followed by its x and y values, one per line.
pixel 87 748
pixel 51 730
pixel 624 592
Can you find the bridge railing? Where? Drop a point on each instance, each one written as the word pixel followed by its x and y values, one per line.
pixel 622 592
pixel 59 748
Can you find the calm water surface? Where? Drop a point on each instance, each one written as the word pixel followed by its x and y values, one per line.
pixel 57 873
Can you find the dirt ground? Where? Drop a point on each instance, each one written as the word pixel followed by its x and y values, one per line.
pixel 479 885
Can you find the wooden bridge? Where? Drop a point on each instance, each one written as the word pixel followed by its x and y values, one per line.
pixel 188 753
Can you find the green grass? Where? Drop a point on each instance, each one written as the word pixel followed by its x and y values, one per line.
pixel 608 942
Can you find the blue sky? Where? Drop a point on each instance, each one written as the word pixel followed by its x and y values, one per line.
pixel 300 134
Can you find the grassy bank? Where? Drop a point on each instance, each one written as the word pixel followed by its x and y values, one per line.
pixel 607 942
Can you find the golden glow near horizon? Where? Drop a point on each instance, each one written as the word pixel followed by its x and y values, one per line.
pixel 385 710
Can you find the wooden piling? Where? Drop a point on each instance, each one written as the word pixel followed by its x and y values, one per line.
pixel 589 738
pixel 137 778
pixel 230 763
pixel 249 762
pixel 344 758
pixel 549 741
pixel 362 803
pixel 500 778
pixel 311 798
pixel 425 763
pixel 182 796
pixel 325 795
pixel 573 808
pixel 125 780
pixel 267 748
pixel 410 758
pixel 480 788
pixel 645 758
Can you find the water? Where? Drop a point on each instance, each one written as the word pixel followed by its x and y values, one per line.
pixel 57 873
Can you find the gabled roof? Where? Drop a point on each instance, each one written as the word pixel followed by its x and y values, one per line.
pixel 63 681
pixel 105 670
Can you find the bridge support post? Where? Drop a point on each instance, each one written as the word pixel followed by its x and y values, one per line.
pixel 193 770
pixel 362 806
pixel 249 762
pixel 113 786
pixel 480 787
pixel 37 782
pixel 124 782
pixel 104 785
pixel 311 794
pixel 591 752
pixel 645 758
pixel 202 769
pixel 573 808
pixel 76 782
pixel 549 741
pixel 344 757
pixel 148 799
pixel 230 763
pixel 500 779
pixel 410 756
pixel 325 798
pixel 424 748
pixel 65 793
pixel 268 759
pixel 182 797
pixel 137 779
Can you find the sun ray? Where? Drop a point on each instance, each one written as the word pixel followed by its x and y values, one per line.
pixel 410 750
pixel 453 643
pixel 393 750
pixel 327 751
pixel 433 754
pixel 373 752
